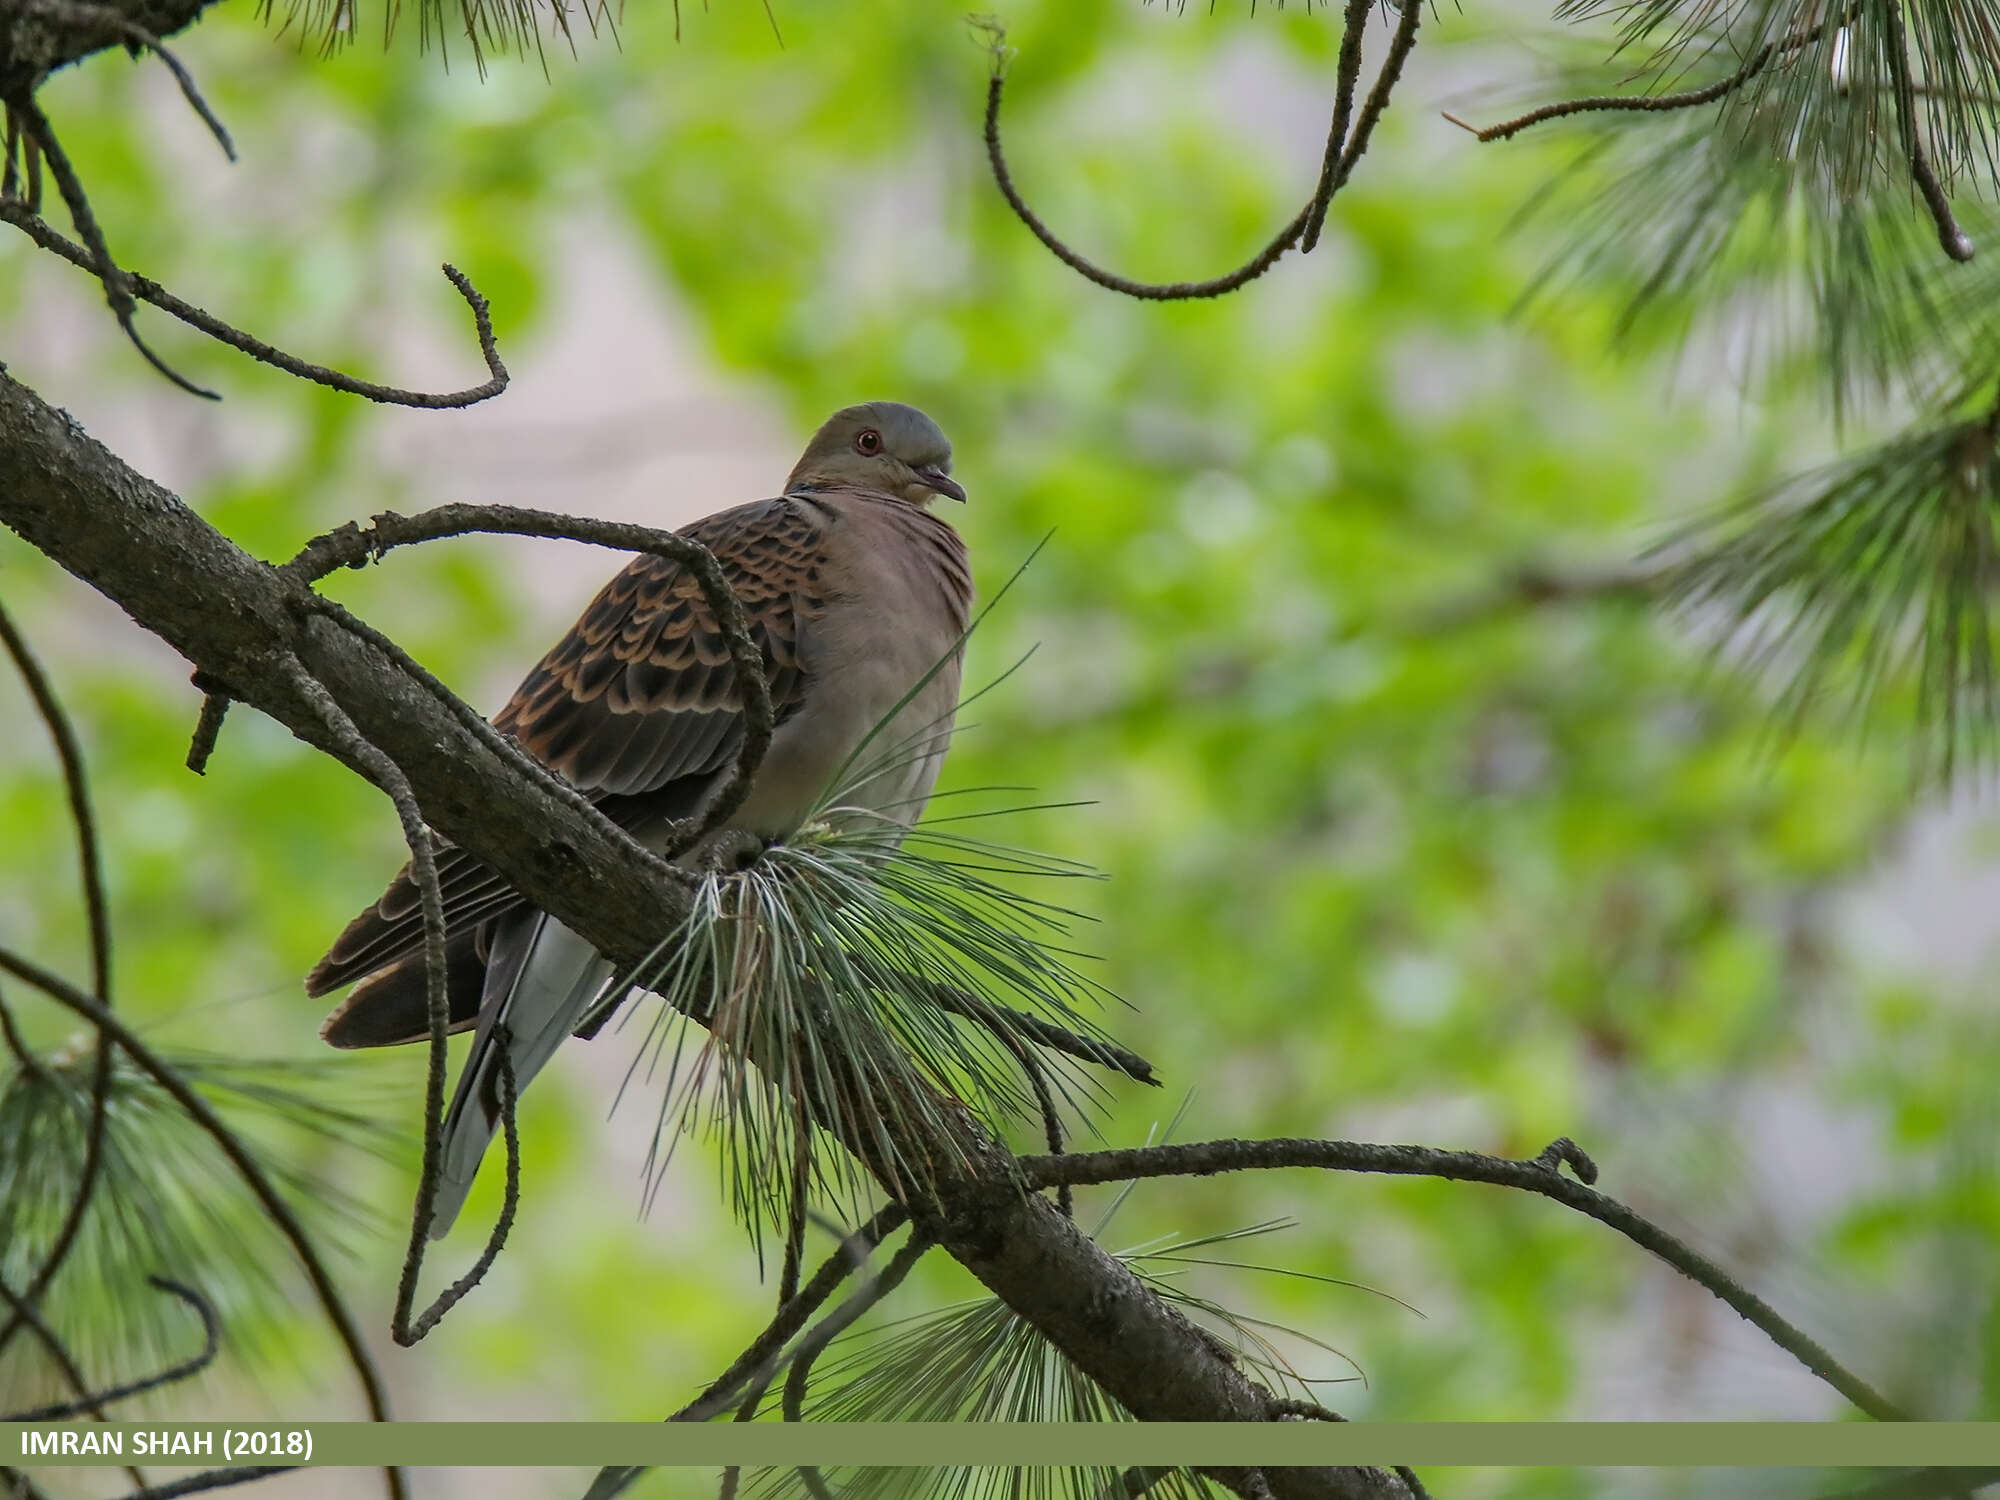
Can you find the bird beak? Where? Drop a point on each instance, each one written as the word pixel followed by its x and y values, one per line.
pixel 941 483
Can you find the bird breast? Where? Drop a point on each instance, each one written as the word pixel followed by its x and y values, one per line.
pixel 898 594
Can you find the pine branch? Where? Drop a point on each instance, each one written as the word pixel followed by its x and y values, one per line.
pixel 237 619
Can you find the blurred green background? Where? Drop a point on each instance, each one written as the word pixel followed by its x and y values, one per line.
pixel 1398 848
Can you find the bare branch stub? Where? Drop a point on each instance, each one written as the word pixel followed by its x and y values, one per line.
pixel 90 865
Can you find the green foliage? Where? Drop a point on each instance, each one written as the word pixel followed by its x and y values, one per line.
pixel 167 1203
pixel 1879 569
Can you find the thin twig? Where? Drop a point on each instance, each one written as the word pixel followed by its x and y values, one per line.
pixel 999 1018
pixel 93 1402
pixel 96 254
pixel 850 1255
pixel 1956 242
pixel 58 1351
pixel 242 1158
pixel 352 546
pixel 389 778
pixel 211 1479
pixel 10 153
pixel 38 230
pixel 24 1055
pixel 1372 110
pixel 90 867
pixel 77 13
pixel 795 1222
pixel 831 1327
pixel 65 1364
pixel 1537 1176
pixel 1347 74
pixel 1757 62
pixel 1335 165
pixel 759 1361
pixel 1052 1129
pixel 503 746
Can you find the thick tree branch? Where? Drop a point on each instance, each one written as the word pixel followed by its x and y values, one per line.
pixel 242 622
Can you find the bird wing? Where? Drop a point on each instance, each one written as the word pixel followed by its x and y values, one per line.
pixel 637 705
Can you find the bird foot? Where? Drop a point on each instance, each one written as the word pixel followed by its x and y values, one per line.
pixel 729 851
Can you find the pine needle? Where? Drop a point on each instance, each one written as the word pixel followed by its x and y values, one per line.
pixel 977 1361
pixel 167 1204
pixel 815 972
pixel 1868 580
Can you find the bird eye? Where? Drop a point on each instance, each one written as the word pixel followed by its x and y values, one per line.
pixel 868 441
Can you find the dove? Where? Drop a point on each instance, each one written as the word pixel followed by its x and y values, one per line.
pixel 859 598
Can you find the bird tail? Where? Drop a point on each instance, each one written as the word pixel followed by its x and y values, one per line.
pixel 541 981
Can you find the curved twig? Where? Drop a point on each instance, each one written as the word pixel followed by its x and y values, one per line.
pixel 1538 1176
pixel 78 13
pixel 241 1158
pixel 146 290
pixel 757 1363
pixel 352 546
pixel 95 255
pixel 1335 165
pixel 90 866
pixel 831 1327
pixel 1711 93
pixel 93 1402
pixel 389 777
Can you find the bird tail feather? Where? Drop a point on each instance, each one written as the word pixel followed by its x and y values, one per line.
pixel 541 981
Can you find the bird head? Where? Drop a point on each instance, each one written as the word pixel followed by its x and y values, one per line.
pixel 883 446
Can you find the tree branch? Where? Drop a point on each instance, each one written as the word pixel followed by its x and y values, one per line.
pixel 237 620
pixel 240 1157
pixel 1538 1176
pixel 43 234
pixel 93 1401
pixel 1336 162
